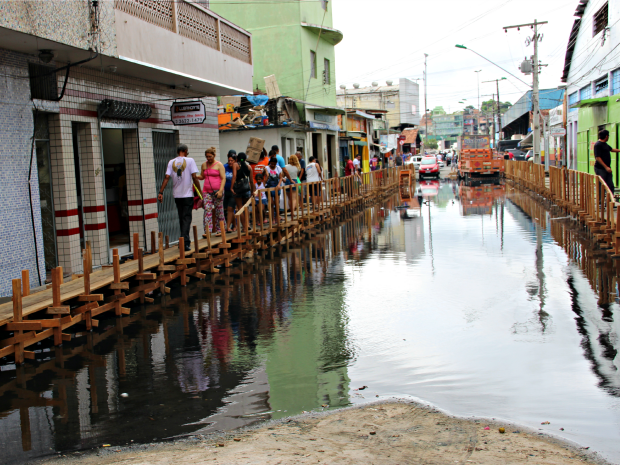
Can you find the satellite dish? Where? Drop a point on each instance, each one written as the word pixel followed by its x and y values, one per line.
pixel 356 86
pixel 343 87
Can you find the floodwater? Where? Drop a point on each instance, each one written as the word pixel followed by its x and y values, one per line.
pixel 475 299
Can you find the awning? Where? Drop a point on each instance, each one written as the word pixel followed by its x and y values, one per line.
pixel 361 113
pixel 324 109
pixel 591 102
pixel 360 142
pixel 330 34
pixel 527 141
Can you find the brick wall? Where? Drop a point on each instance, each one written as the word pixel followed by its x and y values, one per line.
pixel 17 246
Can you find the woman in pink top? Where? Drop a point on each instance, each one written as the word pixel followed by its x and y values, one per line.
pixel 214 176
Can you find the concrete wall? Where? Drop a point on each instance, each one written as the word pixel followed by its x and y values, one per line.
pixel 148 43
pixel 409 99
pixel 65 22
pixel 282 46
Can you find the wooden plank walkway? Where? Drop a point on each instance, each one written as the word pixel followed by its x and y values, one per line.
pixel 31 318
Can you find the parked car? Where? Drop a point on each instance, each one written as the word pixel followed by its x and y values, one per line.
pixel 414 160
pixel 429 167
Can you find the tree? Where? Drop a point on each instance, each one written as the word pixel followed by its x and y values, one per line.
pixel 430 144
pixel 491 106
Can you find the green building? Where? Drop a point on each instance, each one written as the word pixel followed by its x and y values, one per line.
pixel 295 41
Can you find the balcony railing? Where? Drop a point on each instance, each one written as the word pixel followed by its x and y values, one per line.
pixel 194 22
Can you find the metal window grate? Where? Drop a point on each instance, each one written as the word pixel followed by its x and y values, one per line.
pixel 601 87
pixel 43 83
pixel 124 110
pixel 197 25
pixel 158 12
pixel 164 150
pixel 326 72
pixel 600 20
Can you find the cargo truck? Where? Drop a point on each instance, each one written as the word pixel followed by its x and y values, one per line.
pixel 477 158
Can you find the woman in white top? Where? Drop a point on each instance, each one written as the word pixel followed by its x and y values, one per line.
pixel 314 174
pixel 275 178
pixel 295 171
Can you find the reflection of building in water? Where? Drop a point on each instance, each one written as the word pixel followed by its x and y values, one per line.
pixel 479 199
pixel 307 363
pixel 414 239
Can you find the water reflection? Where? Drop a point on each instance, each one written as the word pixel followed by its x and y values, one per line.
pixel 471 296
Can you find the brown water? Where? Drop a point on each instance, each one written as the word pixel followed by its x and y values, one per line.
pixel 474 299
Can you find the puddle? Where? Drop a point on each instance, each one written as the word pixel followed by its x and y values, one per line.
pixel 473 298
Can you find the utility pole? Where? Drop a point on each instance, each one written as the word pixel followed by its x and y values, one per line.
pixel 535 39
pixel 492 113
pixel 425 103
pixel 479 109
pixel 499 115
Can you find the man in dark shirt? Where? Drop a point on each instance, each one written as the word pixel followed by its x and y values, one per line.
pixel 602 154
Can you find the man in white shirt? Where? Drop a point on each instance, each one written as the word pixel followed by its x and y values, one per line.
pixel 357 163
pixel 183 171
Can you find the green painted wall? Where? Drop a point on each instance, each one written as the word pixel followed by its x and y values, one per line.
pixel 281 46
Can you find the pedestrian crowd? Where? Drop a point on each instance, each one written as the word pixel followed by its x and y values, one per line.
pixel 227 187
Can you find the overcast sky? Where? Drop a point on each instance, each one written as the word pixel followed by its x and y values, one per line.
pixel 387 39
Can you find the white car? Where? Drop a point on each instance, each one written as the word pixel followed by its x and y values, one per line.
pixel 414 160
pixel 441 164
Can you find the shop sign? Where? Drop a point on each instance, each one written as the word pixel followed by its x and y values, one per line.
pixel 324 126
pixel 184 113
pixel 323 117
pixel 558 132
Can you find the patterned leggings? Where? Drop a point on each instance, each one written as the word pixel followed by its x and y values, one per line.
pixel 213 204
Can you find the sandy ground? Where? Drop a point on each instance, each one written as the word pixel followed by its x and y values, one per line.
pixel 388 433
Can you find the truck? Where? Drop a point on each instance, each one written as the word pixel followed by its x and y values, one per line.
pixel 477 158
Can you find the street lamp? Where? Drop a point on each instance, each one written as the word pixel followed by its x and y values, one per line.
pixel 478 76
pixel 495 64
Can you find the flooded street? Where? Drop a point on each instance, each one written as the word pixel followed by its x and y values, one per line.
pixel 475 299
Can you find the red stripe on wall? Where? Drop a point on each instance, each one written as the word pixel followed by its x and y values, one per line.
pixel 67 232
pixel 76 112
pixel 95 209
pixel 135 203
pixel 94 227
pixel 65 213
pixel 139 218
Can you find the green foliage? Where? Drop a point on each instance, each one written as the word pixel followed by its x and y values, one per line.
pixel 491 105
pixel 431 144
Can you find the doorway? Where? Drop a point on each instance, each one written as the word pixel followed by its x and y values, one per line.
pixel 46 197
pixel 331 142
pixel 116 189
pixel 78 181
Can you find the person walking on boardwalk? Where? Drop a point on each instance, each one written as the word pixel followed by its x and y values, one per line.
pixel 602 154
pixel 214 176
pixel 183 171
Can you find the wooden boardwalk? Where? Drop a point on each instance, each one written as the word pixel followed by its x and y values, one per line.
pixel 31 318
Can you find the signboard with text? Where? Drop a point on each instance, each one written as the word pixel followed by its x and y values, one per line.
pixel 185 113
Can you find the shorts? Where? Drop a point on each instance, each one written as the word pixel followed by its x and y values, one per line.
pixel 315 190
pixel 263 200
pixel 229 200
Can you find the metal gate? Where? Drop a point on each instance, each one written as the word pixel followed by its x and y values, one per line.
pixel 164 150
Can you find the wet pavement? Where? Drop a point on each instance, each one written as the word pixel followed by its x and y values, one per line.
pixel 476 299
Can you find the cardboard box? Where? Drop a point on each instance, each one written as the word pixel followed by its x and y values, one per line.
pixel 254 150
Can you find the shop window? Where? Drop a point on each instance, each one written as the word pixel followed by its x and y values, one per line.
pixel 599 22
pixel 42 82
pixel 312 64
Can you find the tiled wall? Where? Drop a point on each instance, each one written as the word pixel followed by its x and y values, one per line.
pixel 17 246
pixel 86 88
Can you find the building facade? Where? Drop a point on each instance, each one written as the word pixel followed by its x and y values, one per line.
pixel 295 42
pixel 402 101
pixel 592 77
pixel 89 144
